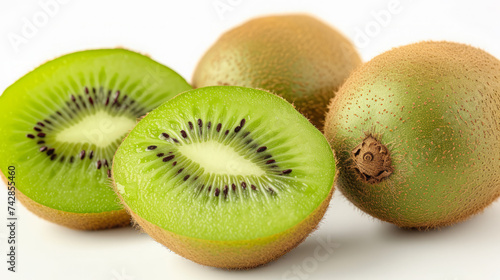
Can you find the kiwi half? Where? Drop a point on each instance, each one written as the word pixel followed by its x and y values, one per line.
pixel 225 176
pixel 62 123
pixel 295 56
pixel 416 134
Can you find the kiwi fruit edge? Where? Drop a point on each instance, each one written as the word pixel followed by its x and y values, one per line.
pixel 416 134
pixel 294 56
pixel 242 239
pixel 56 86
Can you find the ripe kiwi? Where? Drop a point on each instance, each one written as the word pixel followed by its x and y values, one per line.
pixel 416 134
pixel 295 56
pixel 62 123
pixel 220 176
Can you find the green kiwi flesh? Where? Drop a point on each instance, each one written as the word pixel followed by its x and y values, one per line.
pixel 416 134
pixel 225 176
pixel 295 56
pixel 62 123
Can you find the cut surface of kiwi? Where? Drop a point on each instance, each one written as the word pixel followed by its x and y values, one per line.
pixel 225 176
pixel 62 123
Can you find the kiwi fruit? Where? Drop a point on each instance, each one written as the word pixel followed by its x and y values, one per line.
pixel 416 134
pixel 61 126
pixel 295 56
pixel 225 176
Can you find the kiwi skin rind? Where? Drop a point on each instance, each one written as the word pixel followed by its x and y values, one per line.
pixel 443 141
pixel 295 56
pixel 231 255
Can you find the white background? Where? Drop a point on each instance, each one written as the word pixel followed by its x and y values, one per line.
pixel 177 33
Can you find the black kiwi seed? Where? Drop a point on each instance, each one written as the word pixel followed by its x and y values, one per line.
pixel 180 170
pixel 200 123
pixel 237 129
pixel 227 132
pixel 82 154
pixel 270 161
pixel 184 134
pixel 37 129
pixel 217 191
pixel 209 125
pixel 242 122
pixel 165 135
pixel 261 149
pixel 109 173
pixel 41 135
pixel 233 187
pixel 253 187
pixel 40 124
pixel 53 157
pixel 91 154
pixel 165 159
pixel 50 151
pixel 288 171
pixel 99 164
pixel 62 159
pixel 160 154
pixel 243 185
pixel 152 147
pixel 41 142
pixel 43 149
pixel 174 163
pixel 190 125
pixel 71 159
pixel 175 140
pixel 219 126
pixel 186 177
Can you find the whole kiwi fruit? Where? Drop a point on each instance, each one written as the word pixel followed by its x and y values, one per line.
pixel 220 176
pixel 416 134
pixel 61 125
pixel 295 56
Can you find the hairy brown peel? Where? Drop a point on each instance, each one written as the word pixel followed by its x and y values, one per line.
pixel 416 134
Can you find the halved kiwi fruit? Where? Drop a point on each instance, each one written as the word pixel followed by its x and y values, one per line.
pixel 226 176
pixel 62 123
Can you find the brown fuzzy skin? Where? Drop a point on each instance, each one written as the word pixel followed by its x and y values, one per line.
pixel 80 221
pixel 436 107
pixel 295 56
pixel 245 254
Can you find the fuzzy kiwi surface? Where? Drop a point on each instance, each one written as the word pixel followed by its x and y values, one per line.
pixel 225 176
pixel 416 134
pixel 61 125
pixel 295 56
